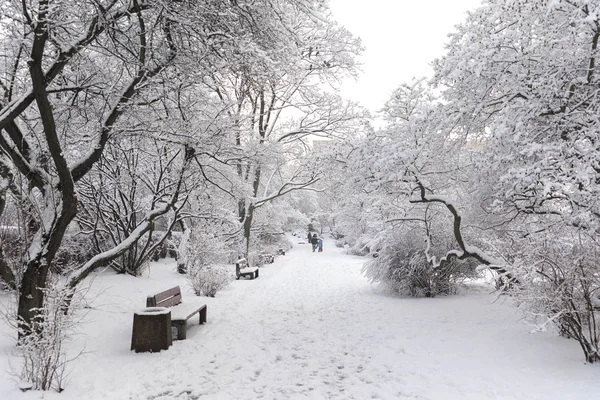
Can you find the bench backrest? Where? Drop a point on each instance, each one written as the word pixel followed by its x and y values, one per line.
pixel 168 298
pixel 242 262
pixel 239 264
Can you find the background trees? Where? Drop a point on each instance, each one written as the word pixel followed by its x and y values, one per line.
pixel 494 162
pixel 105 110
pixel 276 103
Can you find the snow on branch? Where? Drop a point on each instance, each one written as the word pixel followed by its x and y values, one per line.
pixel 286 188
pixel 96 26
pixel 100 259
pixel 466 250
pixel 81 167
pixel 79 274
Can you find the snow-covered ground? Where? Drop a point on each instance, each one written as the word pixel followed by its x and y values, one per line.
pixel 311 327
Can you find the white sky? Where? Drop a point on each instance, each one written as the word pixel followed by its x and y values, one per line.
pixel 401 39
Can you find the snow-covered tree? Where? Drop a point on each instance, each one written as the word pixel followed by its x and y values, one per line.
pixel 276 102
pixel 76 75
pixel 520 80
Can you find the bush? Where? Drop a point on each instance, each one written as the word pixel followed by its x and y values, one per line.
pixel 402 266
pixel 208 280
pixel 74 251
pixel 41 342
pixel 361 247
pixel 206 273
pixel 563 289
pixel 269 243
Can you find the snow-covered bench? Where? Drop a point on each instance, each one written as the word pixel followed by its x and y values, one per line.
pixel 243 269
pixel 266 259
pixel 180 312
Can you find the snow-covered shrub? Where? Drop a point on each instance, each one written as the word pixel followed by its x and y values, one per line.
pixel 273 220
pixel 361 246
pixel 135 260
pixel 206 257
pixel 401 265
pixel 563 288
pixel 209 279
pixel 206 247
pixel 41 344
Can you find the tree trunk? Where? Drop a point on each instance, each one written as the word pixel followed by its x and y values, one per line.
pixel 31 295
pixel 6 274
pixel 247 227
pixel 182 256
pixel 246 212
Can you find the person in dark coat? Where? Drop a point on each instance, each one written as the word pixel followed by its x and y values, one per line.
pixel 314 240
pixel 309 237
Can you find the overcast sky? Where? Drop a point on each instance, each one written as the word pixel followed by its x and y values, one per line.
pixel 401 39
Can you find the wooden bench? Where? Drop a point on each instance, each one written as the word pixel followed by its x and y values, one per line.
pixel 266 258
pixel 180 312
pixel 243 269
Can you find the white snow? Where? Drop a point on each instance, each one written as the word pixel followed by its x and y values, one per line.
pixel 184 310
pixel 153 311
pixel 311 327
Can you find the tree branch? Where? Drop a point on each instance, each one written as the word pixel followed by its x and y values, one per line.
pixel 466 251
pixel 45 108
pixel 84 165
pixel 80 274
pixel 97 26
pixel 286 188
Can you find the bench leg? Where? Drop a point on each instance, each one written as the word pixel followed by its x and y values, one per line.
pixel 181 329
pixel 203 316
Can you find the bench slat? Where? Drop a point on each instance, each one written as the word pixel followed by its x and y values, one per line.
pixel 170 302
pixel 168 298
pixel 168 293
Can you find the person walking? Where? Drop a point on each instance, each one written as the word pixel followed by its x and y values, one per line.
pixel 314 240
pixel 320 245
pixel 309 237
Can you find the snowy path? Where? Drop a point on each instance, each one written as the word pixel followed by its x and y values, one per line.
pixel 311 327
